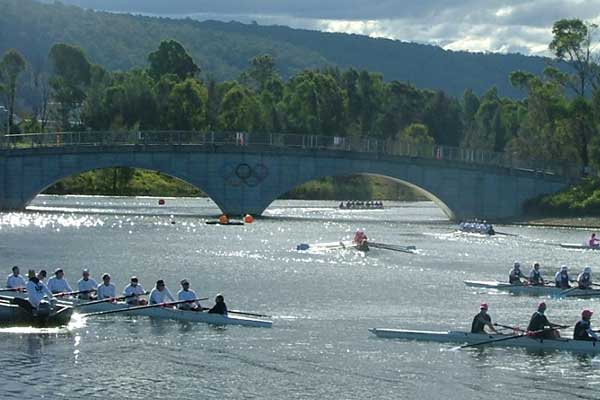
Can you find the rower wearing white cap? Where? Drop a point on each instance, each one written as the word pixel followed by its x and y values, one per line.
pixel 561 279
pixel 58 283
pixel 515 275
pixel 87 286
pixel 584 280
pixel 37 290
pixel 106 290
pixel 133 291
pixel 16 280
pixel 187 294
pixel 160 293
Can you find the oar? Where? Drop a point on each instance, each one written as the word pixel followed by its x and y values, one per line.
pixel 564 293
pixel 63 294
pixel 388 247
pixel 110 299
pixel 13 290
pixel 506 234
pixel 531 334
pixel 174 303
pixel 249 313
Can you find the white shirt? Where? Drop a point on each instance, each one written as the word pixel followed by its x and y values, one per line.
pixel 15 282
pixel 106 292
pixel 83 285
pixel 187 295
pixel 136 290
pixel 57 285
pixel 36 292
pixel 157 296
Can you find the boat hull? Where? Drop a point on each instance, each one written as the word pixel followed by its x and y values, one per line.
pixel 578 246
pixel 14 315
pixel 532 290
pixel 563 344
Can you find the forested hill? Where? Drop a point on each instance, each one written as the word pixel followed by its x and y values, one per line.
pixel 121 41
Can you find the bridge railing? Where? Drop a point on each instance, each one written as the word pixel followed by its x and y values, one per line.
pixel 307 142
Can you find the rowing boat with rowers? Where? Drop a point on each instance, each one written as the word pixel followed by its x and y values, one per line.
pixel 231 318
pixel 562 344
pixel 583 246
pixel 12 314
pixel 341 245
pixel 534 290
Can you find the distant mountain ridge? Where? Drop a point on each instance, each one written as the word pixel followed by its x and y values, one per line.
pixel 123 41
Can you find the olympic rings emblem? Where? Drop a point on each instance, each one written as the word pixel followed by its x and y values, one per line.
pixel 244 174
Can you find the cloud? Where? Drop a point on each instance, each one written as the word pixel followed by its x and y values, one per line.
pixel 474 25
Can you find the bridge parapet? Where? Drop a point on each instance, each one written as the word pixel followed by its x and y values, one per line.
pixel 312 143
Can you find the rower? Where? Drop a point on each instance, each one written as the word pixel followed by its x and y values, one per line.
pixel 593 242
pixel 583 328
pixel 584 280
pixel 160 293
pixel 42 275
pixel 535 275
pixel 86 286
pixel 106 290
pixel 481 320
pixel 187 294
pixel 540 327
pixel 359 237
pixel 561 279
pixel 16 280
pixel 515 275
pixel 133 291
pixel 58 283
pixel 36 291
pixel 220 307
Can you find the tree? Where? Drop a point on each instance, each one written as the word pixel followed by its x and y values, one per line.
pixel 240 110
pixel 11 66
pixel 187 106
pixel 171 58
pixel 261 71
pixel 416 134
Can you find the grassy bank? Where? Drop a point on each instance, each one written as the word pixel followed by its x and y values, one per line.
pixel 580 200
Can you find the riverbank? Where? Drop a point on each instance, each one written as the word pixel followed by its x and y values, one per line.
pixel 562 222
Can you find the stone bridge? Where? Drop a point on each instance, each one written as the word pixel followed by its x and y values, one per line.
pixel 244 173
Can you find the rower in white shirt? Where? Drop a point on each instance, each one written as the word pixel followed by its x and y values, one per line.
pixel 133 291
pixel 106 290
pixel 58 284
pixel 87 286
pixel 160 293
pixel 36 291
pixel 16 280
pixel 187 294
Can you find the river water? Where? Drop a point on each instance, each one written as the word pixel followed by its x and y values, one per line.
pixel 322 305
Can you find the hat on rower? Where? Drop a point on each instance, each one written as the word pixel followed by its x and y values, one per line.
pixel 483 306
pixel 160 282
pixel 517 264
pixel 43 273
pixel 57 270
pixel 542 305
pixel 85 271
pixel 134 278
pixel 588 270
pixel 564 268
pixel 536 264
pixel 31 273
pixel 105 276
pixel 587 313
pixel 185 282
pixel 15 268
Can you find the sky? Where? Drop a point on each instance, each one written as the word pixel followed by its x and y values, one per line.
pixel 515 26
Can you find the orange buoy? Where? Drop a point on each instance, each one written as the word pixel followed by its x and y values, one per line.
pixel 248 219
pixel 223 220
pixel 161 202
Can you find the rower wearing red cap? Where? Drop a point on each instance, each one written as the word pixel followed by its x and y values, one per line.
pixel 540 327
pixel 583 328
pixel 481 320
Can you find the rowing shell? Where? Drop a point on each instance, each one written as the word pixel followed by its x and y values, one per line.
pixel 181 315
pixel 563 344
pixel 342 245
pixel 579 246
pixel 534 290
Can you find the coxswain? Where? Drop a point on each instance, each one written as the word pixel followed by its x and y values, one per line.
pixel 16 280
pixel 540 327
pixel 160 293
pixel 187 294
pixel 535 275
pixel 584 280
pixel 583 327
pixel 133 291
pixel 36 291
pixel 86 286
pixel 58 283
pixel 515 275
pixel 481 320
pixel 220 307
pixel 106 290
pixel 561 279
pixel 593 242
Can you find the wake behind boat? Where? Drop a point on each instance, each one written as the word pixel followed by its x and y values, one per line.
pixel 534 290
pixel 562 344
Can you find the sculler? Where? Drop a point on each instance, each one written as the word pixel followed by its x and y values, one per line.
pixel 561 279
pixel 15 280
pixel 106 290
pixel 160 293
pixel 360 238
pixel 583 328
pixel 535 275
pixel 36 291
pixel 593 242
pixel 584 280
pixel 515 275
pixel 58 283
pixel 481 320
pixel 187 294
pixel 134 290
pixel 220 307
pixel 540 327
pixel 87 286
